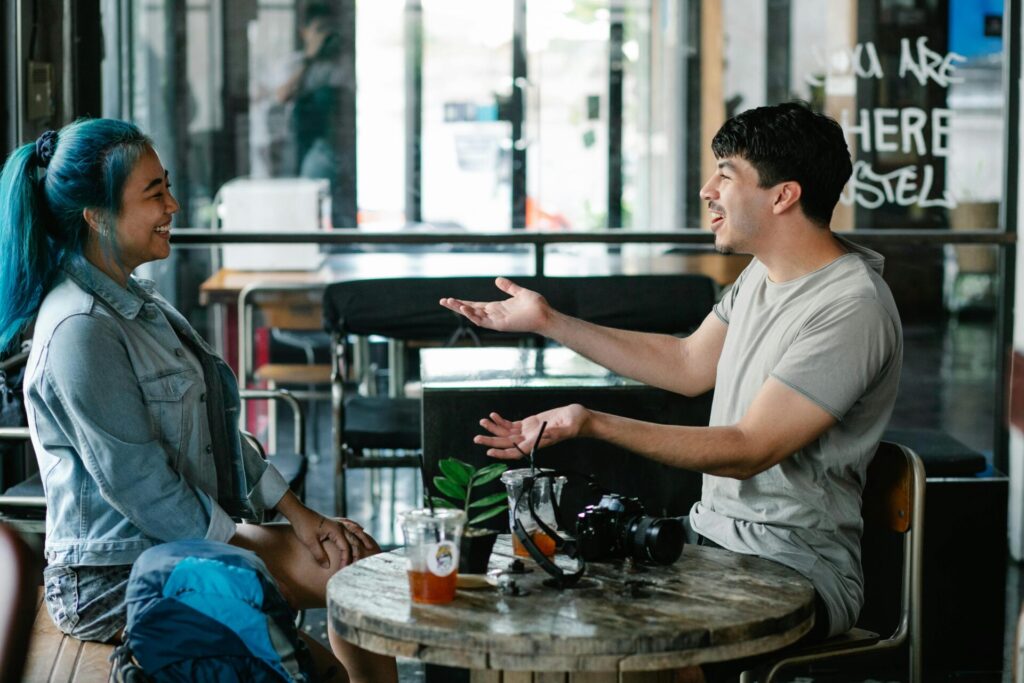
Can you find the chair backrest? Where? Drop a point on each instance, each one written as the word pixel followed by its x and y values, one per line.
pixel 888 492
pixel 407 308
pixel 893 505
pixel 20 569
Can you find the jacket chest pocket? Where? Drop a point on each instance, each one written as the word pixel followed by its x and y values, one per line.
pixel 169 411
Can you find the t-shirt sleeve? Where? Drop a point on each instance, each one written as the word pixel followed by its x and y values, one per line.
pixel 840 352
pixel 723 309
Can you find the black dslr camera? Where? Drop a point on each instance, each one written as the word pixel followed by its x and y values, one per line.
pixel 617 528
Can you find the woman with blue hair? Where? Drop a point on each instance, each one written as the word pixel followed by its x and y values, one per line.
pixel 128 407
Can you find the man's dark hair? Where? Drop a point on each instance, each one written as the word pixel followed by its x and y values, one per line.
pixel 319 12
pixel 791 142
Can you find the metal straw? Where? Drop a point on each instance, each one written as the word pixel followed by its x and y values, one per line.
pixel 533 469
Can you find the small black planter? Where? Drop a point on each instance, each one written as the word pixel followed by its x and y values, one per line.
pixel 475 550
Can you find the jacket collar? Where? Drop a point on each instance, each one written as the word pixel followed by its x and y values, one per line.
pixel 126 301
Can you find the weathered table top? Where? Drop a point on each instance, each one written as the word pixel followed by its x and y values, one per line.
pixel 711 605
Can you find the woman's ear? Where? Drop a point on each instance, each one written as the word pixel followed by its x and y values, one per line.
pixel 92 217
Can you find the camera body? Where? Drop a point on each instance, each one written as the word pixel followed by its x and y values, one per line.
pixel 618 527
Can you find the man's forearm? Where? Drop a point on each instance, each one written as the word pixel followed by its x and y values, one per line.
pixel 721 451
pixel 655 359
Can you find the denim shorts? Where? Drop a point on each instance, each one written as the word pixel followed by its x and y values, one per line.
pixel 87 602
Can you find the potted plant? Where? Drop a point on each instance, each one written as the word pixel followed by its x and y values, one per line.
pixel 460 486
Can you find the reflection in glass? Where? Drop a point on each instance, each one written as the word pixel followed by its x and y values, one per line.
pixel 466 144
pixel 917 87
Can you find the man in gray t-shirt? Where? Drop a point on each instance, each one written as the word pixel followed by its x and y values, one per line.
pixel 833 335
pixel 804 353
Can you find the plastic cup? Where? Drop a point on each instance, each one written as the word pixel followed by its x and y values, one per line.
pixel 432 552
pixel 546 491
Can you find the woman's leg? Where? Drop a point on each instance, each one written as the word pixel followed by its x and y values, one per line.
pixel 327 665
pixel 303 582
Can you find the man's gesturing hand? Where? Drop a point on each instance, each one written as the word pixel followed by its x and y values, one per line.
pixel 524 310
pixel 512 440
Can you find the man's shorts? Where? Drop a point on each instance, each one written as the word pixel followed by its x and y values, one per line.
pixel 87 602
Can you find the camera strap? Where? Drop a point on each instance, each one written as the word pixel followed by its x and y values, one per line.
pixel 562 578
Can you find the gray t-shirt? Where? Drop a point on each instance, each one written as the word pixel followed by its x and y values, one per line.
pixel 833 335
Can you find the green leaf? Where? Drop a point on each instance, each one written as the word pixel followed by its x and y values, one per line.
pixel 491 500
pixel 483 516
pixel 450 488
pixel 440 502
pixel 456 470
pixel 489 473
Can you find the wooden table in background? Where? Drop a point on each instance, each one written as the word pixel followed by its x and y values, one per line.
pixel 616 625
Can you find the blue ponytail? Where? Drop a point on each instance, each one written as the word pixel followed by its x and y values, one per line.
pixel 41 221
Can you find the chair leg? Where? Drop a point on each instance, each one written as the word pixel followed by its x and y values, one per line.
pixel 393 493
pixel 374 487
pixel 312 409
pixel 272 420
pixel 340 502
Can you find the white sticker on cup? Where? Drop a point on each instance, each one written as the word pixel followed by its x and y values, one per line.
pixel 442 558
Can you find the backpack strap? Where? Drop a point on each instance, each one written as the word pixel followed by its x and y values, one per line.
pixel 126 670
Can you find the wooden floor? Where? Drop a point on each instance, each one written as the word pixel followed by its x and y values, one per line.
pixel 55 657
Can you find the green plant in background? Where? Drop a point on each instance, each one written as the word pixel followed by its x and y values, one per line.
pixel 458 484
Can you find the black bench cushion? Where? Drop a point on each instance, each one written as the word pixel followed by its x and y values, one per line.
pixel 407 308
pixel 942 454
pixel 382 422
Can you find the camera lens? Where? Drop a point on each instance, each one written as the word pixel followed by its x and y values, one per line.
pixel 657 539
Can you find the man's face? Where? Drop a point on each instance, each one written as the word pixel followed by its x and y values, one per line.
pixel 737 205
pixel 313 35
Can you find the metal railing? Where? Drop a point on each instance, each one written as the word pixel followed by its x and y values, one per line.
pixel 699 240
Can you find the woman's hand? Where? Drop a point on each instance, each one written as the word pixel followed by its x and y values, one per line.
pixel 347 536
pixel 512 440
pixel 315 530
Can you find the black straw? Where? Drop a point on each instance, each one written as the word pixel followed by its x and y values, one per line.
pixel 533 470
pixel 426 489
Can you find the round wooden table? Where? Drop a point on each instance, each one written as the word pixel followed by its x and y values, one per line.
pixel 711 605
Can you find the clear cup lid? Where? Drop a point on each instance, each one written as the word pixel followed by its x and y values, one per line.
pixel 517 476
pixel 425 514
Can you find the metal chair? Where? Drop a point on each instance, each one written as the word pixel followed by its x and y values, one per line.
pixel 23 506
pixel 293 465
pixel 893 503
pixel 385 431
pixel 293 309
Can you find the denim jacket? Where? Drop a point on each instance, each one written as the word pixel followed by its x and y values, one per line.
pixel 118 416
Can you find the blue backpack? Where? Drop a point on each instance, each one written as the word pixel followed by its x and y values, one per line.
pixel 206 611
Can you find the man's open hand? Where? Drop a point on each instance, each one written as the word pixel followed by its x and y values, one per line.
pixel 524 310
pixel 512 440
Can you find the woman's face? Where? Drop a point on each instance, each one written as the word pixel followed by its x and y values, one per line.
pixel 143 228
